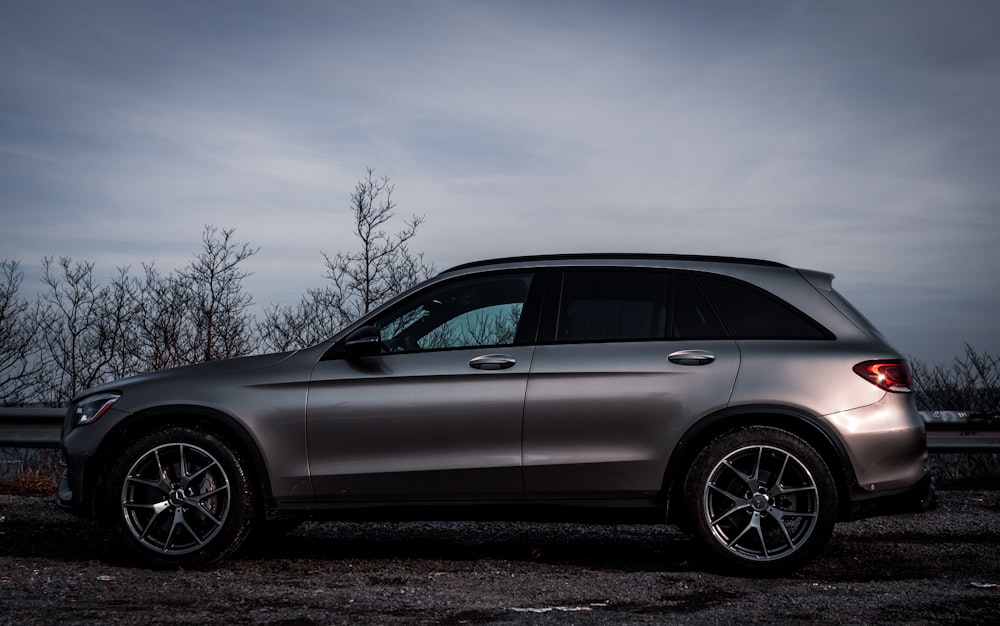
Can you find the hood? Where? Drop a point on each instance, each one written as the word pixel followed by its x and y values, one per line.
pixel 195 371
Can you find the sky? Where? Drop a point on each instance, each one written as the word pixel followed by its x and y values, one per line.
pixel 856 137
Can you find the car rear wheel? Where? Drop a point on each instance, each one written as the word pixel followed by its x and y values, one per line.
pixel 761 500
pixel 180 497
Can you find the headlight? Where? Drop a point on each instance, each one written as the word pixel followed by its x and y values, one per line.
pixel 92 407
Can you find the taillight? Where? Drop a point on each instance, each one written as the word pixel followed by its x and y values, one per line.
pixel 891 375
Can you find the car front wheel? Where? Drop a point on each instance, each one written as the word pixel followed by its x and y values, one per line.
pixel 761 500
pixel 180 497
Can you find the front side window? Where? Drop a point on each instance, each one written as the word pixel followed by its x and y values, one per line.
pixel 477 312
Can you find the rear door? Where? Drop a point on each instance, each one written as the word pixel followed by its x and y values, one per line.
pixel 635 357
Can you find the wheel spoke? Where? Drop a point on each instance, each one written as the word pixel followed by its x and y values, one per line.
pixel 781 514
pixel 787 490
pixel 779 479
pixel 152 520
pixel 177 521
pixel 183 466
pixel 726 494
pixel 729 512
pixel 155 507
pixel 187 480
pixel 755 477
pixel 779 521
pixel 756 523
pixel 216 521
pixel 201 497
pixel 753 524
pixel 153 484
pixel 749 480
pixel 199 501
pixel 739 503
pixel 162 472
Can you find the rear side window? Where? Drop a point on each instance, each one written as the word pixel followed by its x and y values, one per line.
pixel 613 306
pixel 693 315
pixel 752 313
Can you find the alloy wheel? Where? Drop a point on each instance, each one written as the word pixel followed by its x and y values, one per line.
pixel 175 498
pixel 761 503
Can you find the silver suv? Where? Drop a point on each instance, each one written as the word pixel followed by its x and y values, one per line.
pixel 743 400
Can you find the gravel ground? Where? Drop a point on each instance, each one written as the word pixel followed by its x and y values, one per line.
pixel 939 567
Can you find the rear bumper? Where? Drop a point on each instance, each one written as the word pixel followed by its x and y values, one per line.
pixel 919 498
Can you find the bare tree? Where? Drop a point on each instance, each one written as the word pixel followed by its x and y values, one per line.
pixel 971 383
pixel 359 281
pixel 166 339
pixel 217 304
pixel 92 333
pixel 117 328
pixel 18 337
pixel 383 266
pixel 308 323
pixel 75 351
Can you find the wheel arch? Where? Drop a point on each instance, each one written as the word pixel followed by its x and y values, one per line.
pixel 208 419
pixel 796 421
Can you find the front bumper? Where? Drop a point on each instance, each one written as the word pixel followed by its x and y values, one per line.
pixel 67 497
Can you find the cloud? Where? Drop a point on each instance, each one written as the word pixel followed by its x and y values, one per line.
pixel 852 137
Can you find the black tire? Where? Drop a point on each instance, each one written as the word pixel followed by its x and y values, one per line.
pixel 761 501
pixel 180 497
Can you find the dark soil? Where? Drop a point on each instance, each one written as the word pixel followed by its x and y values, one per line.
pixel 938 567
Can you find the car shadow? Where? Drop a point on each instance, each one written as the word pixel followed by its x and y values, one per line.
pixel 626 547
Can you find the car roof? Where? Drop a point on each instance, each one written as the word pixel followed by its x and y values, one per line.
pixel 612 256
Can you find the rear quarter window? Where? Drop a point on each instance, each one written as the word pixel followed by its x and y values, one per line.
pixel 749 312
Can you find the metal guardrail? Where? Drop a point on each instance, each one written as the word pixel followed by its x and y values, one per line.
pixel 30 427
pixel 964 440
pixel 962 431
pixel 946 431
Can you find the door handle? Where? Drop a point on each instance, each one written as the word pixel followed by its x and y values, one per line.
pixel 493 362
pixel 691 357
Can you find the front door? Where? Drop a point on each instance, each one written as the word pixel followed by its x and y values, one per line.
pixel 437 414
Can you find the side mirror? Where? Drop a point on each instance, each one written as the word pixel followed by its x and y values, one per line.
pixel 365 341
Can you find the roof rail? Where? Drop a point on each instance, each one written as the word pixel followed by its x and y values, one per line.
pixel 615 256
